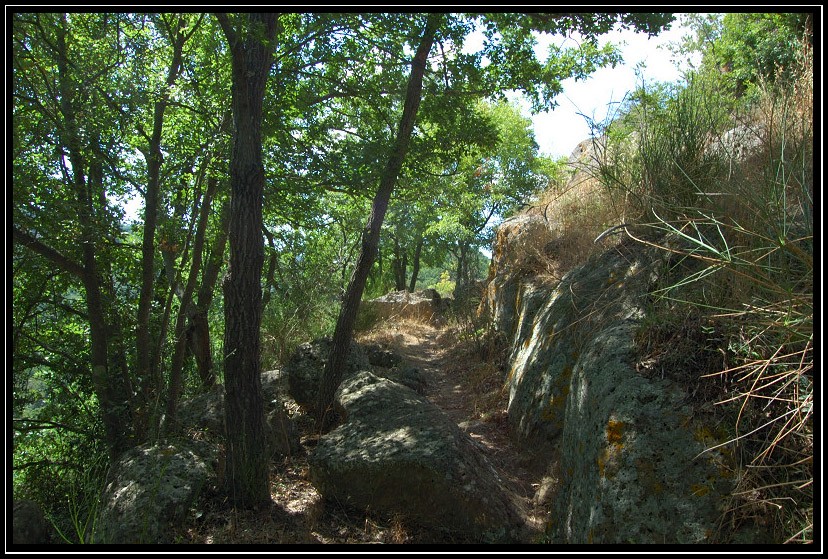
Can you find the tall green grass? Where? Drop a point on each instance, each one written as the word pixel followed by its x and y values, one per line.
pixel 741 223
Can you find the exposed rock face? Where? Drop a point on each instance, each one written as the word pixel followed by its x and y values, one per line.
pixel 420 305
pixel 628 444
pixel 397 452
pixel 740 143
pixel 29 525
pixel 151 489
pixel 519 249
pixel 305 367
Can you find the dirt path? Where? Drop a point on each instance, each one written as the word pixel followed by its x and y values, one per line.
pixel 465 387
pixel 450 375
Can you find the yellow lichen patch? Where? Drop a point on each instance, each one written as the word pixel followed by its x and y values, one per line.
pixel 699 489
pixel 615 431
pixel 554 409
pixel 607 460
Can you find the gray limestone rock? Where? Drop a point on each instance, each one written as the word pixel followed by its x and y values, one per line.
pixel 150 489
pixel 398 453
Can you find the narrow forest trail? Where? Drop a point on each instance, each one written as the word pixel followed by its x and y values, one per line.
pixel 454 384
pixel 464 386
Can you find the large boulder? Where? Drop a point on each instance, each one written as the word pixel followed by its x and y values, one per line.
pixel 149 491
pixel 305 367
pixel 29 524
pixel 398 453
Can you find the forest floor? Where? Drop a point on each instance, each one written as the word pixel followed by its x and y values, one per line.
pixel 465 386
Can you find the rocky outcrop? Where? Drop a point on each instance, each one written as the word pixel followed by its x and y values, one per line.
pixel 520 249
pixel 305 367
pixel 631 466
pixel 398 453
pixel 426 305
pixel 29 524
pixel 150 490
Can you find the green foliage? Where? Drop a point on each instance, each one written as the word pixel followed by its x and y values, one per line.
pixel 749 48
pixel 445 286
pixel 107 104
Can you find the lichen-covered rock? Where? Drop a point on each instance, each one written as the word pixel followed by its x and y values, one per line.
pixel 282 433
pixel 29 524
pixel 631 458
pixel 631 464
pixel 305 367
pixel 520 249
pixel 407 375
pixel 382 357
pixel 398 453
pixel 149 490
pixel 554 329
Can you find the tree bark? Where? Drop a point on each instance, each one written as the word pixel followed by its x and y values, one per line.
pixel 114 403
pixel 251 47
pixel 186 309
pixel 415 266
pixel 343 333
pixel 400 265
pixel 148 373
pixel 198 336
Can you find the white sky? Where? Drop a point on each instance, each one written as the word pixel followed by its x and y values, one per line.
pixel 559 131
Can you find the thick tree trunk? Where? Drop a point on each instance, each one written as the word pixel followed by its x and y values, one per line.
pixel 335 366
pixel 247 479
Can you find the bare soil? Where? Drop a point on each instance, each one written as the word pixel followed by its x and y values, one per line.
pixel 464 385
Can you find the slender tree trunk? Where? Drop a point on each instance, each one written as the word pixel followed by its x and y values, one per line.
pixel 149 374
pixel 186 309
pixel 399 265
pixel 415 266
pixel 247 478
pixel 199 333
pixel 114 404
pixel 335 366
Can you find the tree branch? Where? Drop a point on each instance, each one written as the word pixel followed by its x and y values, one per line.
pixel 65 263
pixel 37 424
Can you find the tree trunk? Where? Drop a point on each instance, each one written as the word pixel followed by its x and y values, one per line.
pixel 335 366
pixel 149 374
pixel 114 403
pixel 186 310
pixel 400 264
pixel 246 478
pixel 198 335
pixel 415 266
